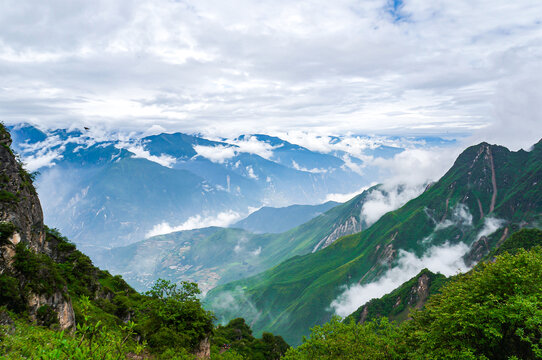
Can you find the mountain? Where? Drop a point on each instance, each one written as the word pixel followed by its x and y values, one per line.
pixel 276 220
pixel 471 209
pixel 214 255
pixel 105 191
pixel 396 305
pixel 414 293
pixel 55 304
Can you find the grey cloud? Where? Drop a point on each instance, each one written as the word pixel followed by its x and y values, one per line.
pixel 222 67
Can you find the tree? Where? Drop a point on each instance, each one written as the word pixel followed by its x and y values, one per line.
pixel 492 312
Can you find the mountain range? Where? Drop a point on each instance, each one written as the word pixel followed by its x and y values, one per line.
pixel 487 194
pixel 107 190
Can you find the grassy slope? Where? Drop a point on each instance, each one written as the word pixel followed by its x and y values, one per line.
pixel 295 295
pixel 228 254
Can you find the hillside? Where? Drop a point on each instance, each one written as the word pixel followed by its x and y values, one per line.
pixel 487 190
pixel 491 312
pixel 415 293
pixel 47 285
pixel 215 255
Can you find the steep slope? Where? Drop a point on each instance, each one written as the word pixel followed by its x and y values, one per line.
pixel 215 255
pixel 277 220
pixel 22 234
pixel 488 188
pixel 47 285
pixel 416 292
pixel 396 305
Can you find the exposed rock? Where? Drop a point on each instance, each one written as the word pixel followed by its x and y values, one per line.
pixel 62 306
pixel 349 227
pixel 364 314
pixel 420 292
pixel 477 251
pixel 21 213
pixel 204 349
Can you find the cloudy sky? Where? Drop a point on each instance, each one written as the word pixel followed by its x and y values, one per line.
pixel 462 67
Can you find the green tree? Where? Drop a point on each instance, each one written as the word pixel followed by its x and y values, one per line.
pixel 492 312
pixel 175 316
pixel 374 340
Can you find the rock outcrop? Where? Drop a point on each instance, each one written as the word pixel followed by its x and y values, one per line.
pixel 349 227
pixel 21 224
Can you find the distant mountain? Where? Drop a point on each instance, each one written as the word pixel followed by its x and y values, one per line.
pixel 487 193
pixel 277 220
pixel 216 255
pixel 105 192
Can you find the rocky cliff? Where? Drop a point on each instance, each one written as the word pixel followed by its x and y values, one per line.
pixel 22 236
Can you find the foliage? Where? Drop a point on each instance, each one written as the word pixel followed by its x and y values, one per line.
pixel 492 312
pixel 337 340
pixel 6 230
pixel 173 316
pixel 397 304
pixel 236 337
pixel 10 295
pixel 91 340
pixel 523 239
pixel 40 271
pixel 8 197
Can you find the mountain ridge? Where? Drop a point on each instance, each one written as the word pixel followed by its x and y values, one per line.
pixel 294 295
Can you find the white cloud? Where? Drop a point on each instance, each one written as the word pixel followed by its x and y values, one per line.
pixel 445 259
pixel 415 167
pixel 250 173
pixel 140 152
pixel 491 225
pixel 313 171
pixel 386 199
pixel 273 66
pixel 251 145
pixel 344 197
pixel 222 219
pixel 217 154
pixel 35 162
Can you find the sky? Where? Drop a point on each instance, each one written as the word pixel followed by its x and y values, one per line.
pixel 221 68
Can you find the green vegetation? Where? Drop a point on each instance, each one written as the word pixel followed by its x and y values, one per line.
pixel 523 239
pixel 492 312
pixel 8 197
pixel 237 336
pixel 217 256
pixel 396 305
pixel 6 230
pixel 113 320
pixel 295 295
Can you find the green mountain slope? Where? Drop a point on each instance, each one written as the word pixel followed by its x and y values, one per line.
pixel 488 187
pixel 397 304
pixel 55 304
pixel 216 255
pixel 414 293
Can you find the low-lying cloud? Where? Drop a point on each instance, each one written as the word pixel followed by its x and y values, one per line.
pixel 491 225
pixel 140 152
pixel 386 199
pixel 222 219
pixel 217 154
pixel 445 259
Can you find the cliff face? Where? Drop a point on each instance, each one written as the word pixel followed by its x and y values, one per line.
pixel 21 227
